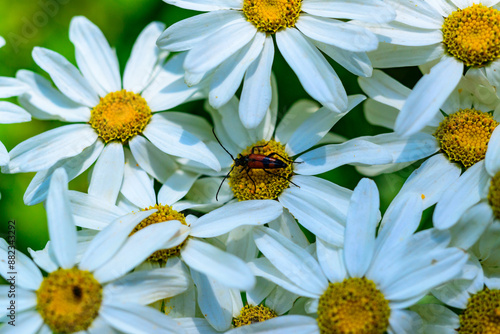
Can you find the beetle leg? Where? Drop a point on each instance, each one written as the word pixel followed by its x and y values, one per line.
pixel 280 176
pixel 248 174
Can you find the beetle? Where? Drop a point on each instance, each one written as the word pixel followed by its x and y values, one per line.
pixel 256 161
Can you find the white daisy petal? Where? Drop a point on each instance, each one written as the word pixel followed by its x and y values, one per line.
pixel 30 276
pixel 137 248
pixel 492 159
pixel 214 300
pixel 404 321
pixel 256 94
pixel 467 190
pixel 195 325
pixel 95 58
pixel 240 243
pixel 261 290
pixel 44 150
pixel 2 41
pixel 291 260
pixel 298 113
pixel 263 268
pixel 331 259
pixel 384 89
pixel 206 5
pixel 28 322
pixel 4 155
pixel 45 258
pixel 215 263
pixel 143 59
pixel 462 4
pixel 216 48
pixel 185 34
pixel 292 324
pixel 110 240
pixel 428 95
pixel 147 286
pixel 45 102
pixel 230 216
pixel 315 74
pixel 369 11
pixel 445 266
pixel 312 130
pixel 362 219
pixel 137 185
pixel 419 13
pixel 337 33
pixel 227 77
pixel 176 187
pixel 286 225
pixel 107 174
pixel 173 139
pixel 328 157
pixel 403 34
pixel 62 229
pixel 471 226
pixel 11 113
pixel 74 166
pixel 438 318
pixel 135 318
pixel 357 63
pixel 313 213
pixel 24 299
pixel 151 159
pixel 66 77
pixel 391 55
pixel 431 180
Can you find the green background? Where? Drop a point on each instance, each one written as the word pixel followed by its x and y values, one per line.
pixel 26 24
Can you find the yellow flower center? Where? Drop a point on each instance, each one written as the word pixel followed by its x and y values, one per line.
pixel 120 116
pixel 482 314
pixel 261 183
pixel 464 135
pixel 164 213
pixel 252 314
pixel 494 195
pixel 269 16
pixel 473 34
pixel 69 300
pixel 354 306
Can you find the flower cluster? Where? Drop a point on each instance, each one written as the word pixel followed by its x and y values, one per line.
pixel 227 222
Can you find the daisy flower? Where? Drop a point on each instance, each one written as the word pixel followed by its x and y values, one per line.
pixel 92 294
pixel 233 41
pixel 367 285
pixel 306 197
pixel 454 35
pixel 476 293
pixel 138 194
pixel 106 113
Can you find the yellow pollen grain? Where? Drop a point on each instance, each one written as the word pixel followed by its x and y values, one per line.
pixel 482 314
pixel 164 213
pixel 120 116
pixel 253 314
pixel 268 185
pixel 269 16
pixel 353 306
pixel 69 300
pixel 494 195
pixel 472 35
pixel 464 135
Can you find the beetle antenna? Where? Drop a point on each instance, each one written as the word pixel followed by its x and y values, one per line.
pixel 213 131
pixel 224 179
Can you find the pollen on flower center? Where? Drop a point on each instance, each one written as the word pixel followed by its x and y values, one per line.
pixel 464 135
pixel 494 195
pixel 261 183
pixel 69 300
pixel 482 314
pixel 473 34
pixel 353 306
pixel 164 213
pixel 120 116
pixel 252 314
pixel 269 16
